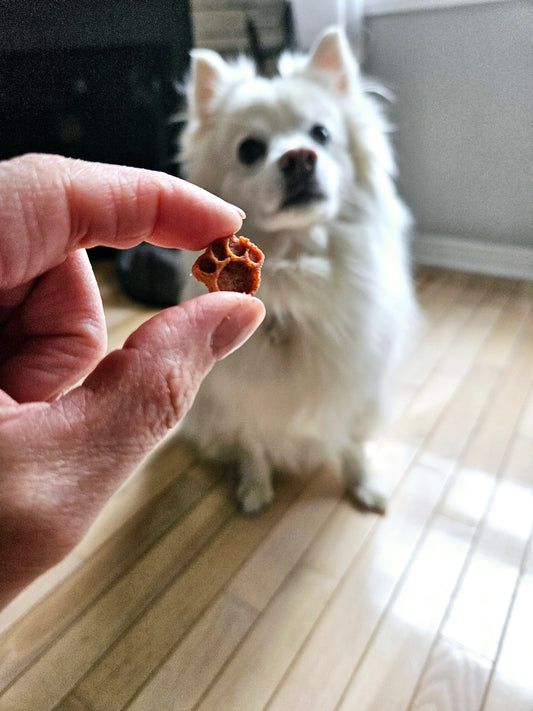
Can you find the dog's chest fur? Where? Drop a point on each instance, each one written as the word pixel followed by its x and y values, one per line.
pixel 311 369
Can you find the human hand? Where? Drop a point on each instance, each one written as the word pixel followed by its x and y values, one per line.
pixel 64 452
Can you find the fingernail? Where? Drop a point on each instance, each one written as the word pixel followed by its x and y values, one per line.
pixel 237 326
pixel 240 211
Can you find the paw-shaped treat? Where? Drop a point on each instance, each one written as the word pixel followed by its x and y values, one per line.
pixel 230 264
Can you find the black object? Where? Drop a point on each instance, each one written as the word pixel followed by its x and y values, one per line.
pixel 151 275
pixel 106 104
pixel 264 55
pixel 98 81
pixel 93 80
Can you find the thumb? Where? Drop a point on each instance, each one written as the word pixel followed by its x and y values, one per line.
pixel 61 461
pixel 139 392
pixel 87 442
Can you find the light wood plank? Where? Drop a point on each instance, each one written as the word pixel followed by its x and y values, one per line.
pixel 512 684
pixel 262 574
pixel 469 495
pixel 477 329
pixel 519 465
pixel 24 605
pixel 492 441
pixel 76 589
pixel 255 670
pixel 147 642
pixel 74 704
pixel 57 670
pixel 454 680
pixel 480 607
pixel 500 343
pixel 459 418
pixel 438 294
pixel 340 541
pixel 528 559
pixel 348 622
pixel 424 411
pixel 185 676
pixel 276 556
pixel 526 424
pixel 325 556
pixel 520 460
pixel 441 323
pixel 401 645
pixel 329 554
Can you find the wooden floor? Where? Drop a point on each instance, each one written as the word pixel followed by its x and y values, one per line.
pixel 174 601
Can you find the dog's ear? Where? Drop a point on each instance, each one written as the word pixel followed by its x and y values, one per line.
pixel 332 56
pixel 333 59
pixel 208 76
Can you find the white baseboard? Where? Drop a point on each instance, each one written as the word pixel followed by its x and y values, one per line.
pixel 473 256
pixel 389 7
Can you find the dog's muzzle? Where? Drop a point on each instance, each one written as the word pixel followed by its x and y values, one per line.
pixel 300 184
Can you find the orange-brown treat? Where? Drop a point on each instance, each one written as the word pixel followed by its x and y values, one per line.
pixel 230 264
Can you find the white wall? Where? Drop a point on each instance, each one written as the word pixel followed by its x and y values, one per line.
pixel 464 82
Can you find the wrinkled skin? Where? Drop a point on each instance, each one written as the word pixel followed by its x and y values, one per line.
pixel 64 450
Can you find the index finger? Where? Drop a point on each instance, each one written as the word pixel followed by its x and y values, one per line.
pixel 50 205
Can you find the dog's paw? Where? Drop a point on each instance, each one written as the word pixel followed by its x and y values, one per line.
pixel 367 496
pixel 254 498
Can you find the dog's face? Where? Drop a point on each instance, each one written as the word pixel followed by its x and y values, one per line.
pixel 278 148
pixel 283 148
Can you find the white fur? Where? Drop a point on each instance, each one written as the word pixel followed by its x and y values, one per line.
pixel 315 381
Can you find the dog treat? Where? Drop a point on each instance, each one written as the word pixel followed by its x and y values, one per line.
pixel 230 264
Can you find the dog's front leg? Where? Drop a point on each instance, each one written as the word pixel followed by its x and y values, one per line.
pixel 364 491
pixel 255 491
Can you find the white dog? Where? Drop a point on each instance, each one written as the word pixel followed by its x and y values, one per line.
pixel 305 154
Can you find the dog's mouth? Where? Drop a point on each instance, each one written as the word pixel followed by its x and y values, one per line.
pixel 302 197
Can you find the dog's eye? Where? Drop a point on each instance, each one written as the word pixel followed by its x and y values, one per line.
pixel 320 134
pixel 251 150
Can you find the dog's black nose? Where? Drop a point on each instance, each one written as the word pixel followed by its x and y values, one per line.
pixel 299 177
pixel 298 163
